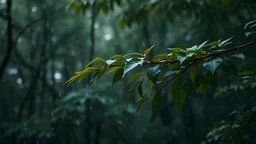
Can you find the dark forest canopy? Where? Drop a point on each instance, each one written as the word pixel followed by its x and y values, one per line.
pixel 150 71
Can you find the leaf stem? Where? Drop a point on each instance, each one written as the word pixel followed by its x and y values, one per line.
pixel 177 75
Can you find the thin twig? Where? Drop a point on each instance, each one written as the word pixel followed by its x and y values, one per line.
pixel 177 75
pixel 23 30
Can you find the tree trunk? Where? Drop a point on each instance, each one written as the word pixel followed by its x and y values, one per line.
pixel 9 39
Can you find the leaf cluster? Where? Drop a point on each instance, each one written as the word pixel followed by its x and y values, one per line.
pixel 164 69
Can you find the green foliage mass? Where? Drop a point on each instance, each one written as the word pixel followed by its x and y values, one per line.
pixel 176 95
pixel 165 68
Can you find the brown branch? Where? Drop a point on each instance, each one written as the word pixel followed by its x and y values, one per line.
pixel 198 59
pixel 176 76
pixel 234 48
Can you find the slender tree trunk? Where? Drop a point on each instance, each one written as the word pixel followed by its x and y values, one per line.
pixel 88 128
pixel 163 113
pixel 97 133
pixel 9 39
pixel 92 35
pixel 118 50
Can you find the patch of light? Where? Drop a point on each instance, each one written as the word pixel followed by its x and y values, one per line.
pixel 96 25
pixel 57 76
pixel 2 1
pixel 34 9
pixel 13 71
pixel 19 80
pixel 107 37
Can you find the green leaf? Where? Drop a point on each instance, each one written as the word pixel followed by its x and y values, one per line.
pixel 215 43
pixel 219 93
pixel 176 66
pixel 118 76
pixel 159 101
pixel 85 7
pixel 147 51
pixel 99 74
pixel 193 73
pixel 81 75
pixel 212 64
pixel 118 57
pixel 203 88
pixel 177 50
pixel 109 62
pixel 252 26
pixel 131 65
pixel 193 48
pixel 140 101
pixel 189 87
pixel 240 56
pixel 140 88
pixel 212 79
pixel 135 76
pixel 114 69
pixel 198 79
pixel 182 59
pixel 178 93
pixel 247 33
pixel 153 73
pixel 78 9
pixel 133 54
pixel 225 41
pixel 98 59
pixel 172 72
pixel 203 44
pixel 249 23
pixel 172 56
pixel 160 57
pixel 130 92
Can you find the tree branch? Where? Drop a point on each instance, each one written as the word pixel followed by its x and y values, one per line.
pixel 176 76
pixel 23 30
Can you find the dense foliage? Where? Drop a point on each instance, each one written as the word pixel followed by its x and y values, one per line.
pixel 135 90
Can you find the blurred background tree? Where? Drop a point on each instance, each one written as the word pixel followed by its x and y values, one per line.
pixel 44 42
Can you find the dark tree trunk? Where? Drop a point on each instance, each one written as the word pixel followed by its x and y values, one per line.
pixel 92 35
pixel 9 39
pixel 164 112
pixel 97 133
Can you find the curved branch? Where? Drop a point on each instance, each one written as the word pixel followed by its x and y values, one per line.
pixel 173 78
pixel 23 30
pixel 200 59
